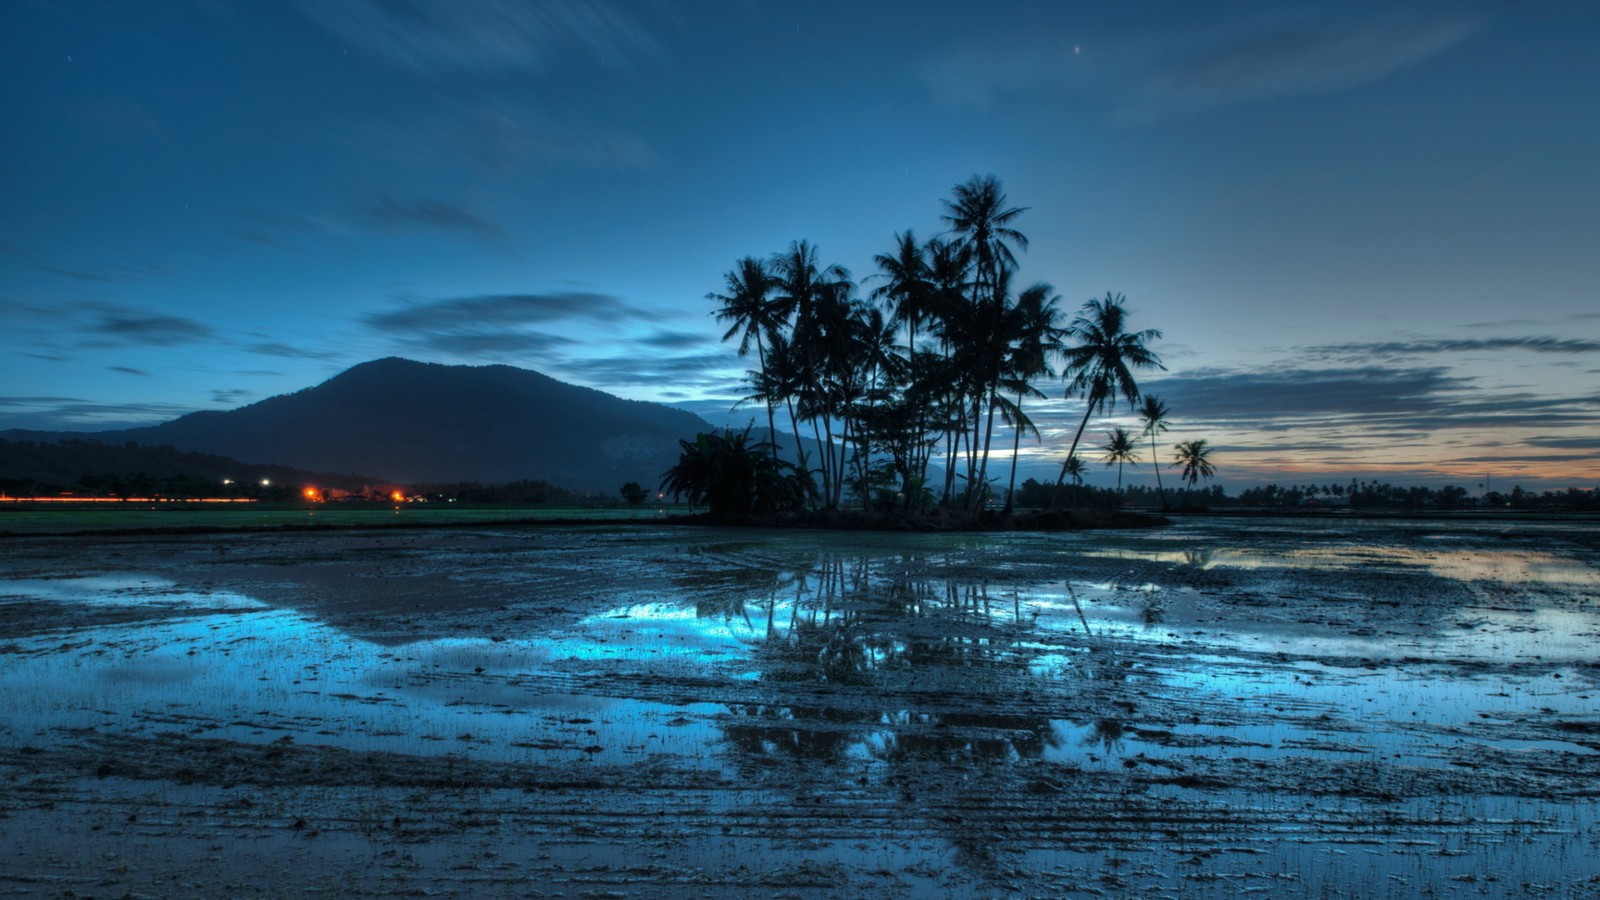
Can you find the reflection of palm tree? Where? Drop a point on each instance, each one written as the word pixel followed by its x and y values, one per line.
pixel 1101 362
pixel 1153 413
pixel 1120 449
pixel 1194 457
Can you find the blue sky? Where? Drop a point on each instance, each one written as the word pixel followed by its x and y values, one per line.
pixel 1370 232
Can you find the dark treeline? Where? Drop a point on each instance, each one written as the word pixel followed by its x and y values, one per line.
pixel 1381 495
pixel 1370 495
pixel 514 493
pixel 88 467
pixel 928 364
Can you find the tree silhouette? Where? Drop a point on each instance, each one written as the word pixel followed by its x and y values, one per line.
pixel 1153 414
pixel 749 306
pixel 1100 364
pixel 1194 457
pixel 1119 449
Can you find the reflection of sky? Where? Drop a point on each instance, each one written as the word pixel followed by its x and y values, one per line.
pixel 260 674
pixel 243 670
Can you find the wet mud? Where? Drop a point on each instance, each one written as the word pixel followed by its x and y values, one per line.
pixel 1290 708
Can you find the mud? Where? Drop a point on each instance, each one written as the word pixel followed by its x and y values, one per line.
pixel 1291 708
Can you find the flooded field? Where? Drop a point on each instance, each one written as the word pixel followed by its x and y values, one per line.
pixel 1290 708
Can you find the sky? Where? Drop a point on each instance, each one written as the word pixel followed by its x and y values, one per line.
pixel 1369 232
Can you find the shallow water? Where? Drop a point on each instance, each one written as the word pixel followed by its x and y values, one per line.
pixel 1417 686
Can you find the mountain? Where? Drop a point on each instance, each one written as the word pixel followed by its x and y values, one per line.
pixel 426 423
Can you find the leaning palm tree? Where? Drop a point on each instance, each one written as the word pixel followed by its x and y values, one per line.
pixel 1194 457
pixel 748 305
pixel 1119 449
pixel 1099 366
pixel 1153 413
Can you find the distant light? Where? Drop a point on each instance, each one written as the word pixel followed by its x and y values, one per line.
pixel 311 493
pixel 227 481
pixel 265 482
pixel 397 496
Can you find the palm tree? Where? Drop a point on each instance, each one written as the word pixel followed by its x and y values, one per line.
pixel 1075 468
pixel 748 305
pixel 980 216
pixel 1120 448
pixel 1194 457
pixel 1153 413
pixel 802 287
pixel 1031 338
pixel 1101 361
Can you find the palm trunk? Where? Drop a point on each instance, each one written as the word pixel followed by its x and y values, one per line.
pixel 1156 461
pixel 1016 448
pixel 1087 411
pixel 983 465
pixel 772 426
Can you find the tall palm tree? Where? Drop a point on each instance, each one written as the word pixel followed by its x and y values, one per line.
pixel 803 285
pixel 1100 363
pixel 748 305
pixel 1031 338
pixel 1153 413
pixel 1119 449
pixel 907 288
pixel 979 215
pixel 1194 457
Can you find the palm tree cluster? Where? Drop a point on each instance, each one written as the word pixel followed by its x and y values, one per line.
pixel 942 348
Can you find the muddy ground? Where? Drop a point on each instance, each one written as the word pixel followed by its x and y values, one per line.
pixel 1290 708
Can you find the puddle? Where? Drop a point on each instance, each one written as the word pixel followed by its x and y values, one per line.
pixel 908 691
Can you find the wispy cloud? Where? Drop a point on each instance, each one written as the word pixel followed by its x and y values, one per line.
pixel 287 351
pixel 126 370
pixel 45 413
pixel 1155 77
pixel 122 326
pixel 1293 61
pixel 508 310
pixel 488 35
pixel 1363 350
pixel 427 213
pixel 231 396
pixel 119 266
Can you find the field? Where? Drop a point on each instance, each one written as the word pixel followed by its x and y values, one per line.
pixel 70 519
pixel 1294 708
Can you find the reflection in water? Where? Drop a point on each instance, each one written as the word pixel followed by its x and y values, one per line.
pixel 947 661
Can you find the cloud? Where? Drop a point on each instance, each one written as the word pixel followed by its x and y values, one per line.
pixel 1293 61
pixel 508 310
pixel 286 351
pixel 1255 396
pixel 485 345
pixel 398 215
pixel 129 267
pixel 676 340
pixel 487 36
pixel 1389 349
pixel 74 414
pixel 697 370
pixel 1161 76
pixel 230 396
pixel 149 329
pixel 129 371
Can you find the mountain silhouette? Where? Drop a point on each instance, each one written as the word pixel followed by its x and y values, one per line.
pixel 418 423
